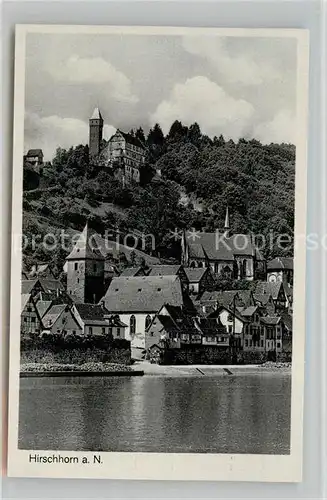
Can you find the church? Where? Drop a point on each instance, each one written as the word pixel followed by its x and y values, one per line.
pixel 233 255
pixel 124 154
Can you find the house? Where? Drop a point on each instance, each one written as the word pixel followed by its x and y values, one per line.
pixel 95 319
pixel 34 157
pixel 273 333
pixel 31 321
pixel 137 299
pixel 266 301
pixel 276 290
pixel 234 256
pixel 199 279
pixel 60 320
pixel 124 153
pixel 280 269
pixel 253 333
pixel 234 324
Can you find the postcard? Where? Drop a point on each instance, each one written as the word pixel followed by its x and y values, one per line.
pixel 158 253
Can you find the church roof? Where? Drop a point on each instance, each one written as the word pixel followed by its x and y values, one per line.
pixel 165 270
pixel 216 246
pixel 280 263
pixel 86 247
pixel 143 293
pixel 96 115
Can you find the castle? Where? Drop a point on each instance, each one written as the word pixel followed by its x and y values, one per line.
pixel 124 153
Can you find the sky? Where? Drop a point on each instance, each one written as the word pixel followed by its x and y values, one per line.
pixel 235 86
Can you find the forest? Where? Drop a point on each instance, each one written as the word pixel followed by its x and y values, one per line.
pixel 256 182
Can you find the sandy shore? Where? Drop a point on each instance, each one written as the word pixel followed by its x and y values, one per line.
pixel 210 370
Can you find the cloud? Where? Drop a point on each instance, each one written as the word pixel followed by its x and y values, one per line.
pixel 203 101
pixel 280 129
pixel 51 132
pixel 94 70
pixel 238 68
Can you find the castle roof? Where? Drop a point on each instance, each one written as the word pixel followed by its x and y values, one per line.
pixel 131 139
pixel 96 115
pixel 34 152
pixel 215 246
pixel 86 246
pixel 143 293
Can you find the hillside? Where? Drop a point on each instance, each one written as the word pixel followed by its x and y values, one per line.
pixel 199 178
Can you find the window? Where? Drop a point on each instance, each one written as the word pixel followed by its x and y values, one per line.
pixel 230 329
pixel 278 343
pixel 118 332
pixel 33 320
pixel 77 280
pixel 229 317
pixel 103 330
pixel 110 330
pixel 132 324
pixel 261 343
pixel 246 342
pixel 75 266
pixel 147 321
pixel 25 320
pixel 74 332
pixel 90 330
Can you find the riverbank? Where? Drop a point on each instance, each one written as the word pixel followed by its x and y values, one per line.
pixel 73 370
pixel 210 370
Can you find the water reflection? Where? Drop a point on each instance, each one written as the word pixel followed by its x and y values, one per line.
pixel 238 414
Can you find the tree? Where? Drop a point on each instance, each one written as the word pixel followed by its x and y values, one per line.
pixel 194 134
pixel 139 134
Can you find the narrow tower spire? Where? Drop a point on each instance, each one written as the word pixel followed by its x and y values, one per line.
pixel 227 225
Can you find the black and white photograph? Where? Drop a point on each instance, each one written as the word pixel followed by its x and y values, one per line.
pixel 157 298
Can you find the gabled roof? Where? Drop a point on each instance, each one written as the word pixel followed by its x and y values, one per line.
pixel 28 285
pixel 40 269
pixel 235 313
pixel 270 320
pixel 96 115
pixel 249 311
pixel 91 312
pixel 53 314
pixel 287 320
pixel 25 297
pixel 86 246
pixel 43 306
pixel 263 298
pixel 165 270
pixel 215 246
pixel 50 285
pixel 34 152
pixel 132 271
pixel 143 293
pixel 195 274
pixel 280 263
pixel 266 287
pixel 223 298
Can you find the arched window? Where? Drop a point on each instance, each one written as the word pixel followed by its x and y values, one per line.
pixel 132 325
pixel 243 269
pixel 147 321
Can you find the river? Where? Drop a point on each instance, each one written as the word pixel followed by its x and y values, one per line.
pixel 204 414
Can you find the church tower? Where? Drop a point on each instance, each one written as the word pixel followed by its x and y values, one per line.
pixel 85 269
pixel 227 225
pixel 95 134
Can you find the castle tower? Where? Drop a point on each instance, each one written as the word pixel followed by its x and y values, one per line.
pixel 85 269
pixel 95 134
pixel 227 225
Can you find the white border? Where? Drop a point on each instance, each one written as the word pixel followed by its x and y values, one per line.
pixel 204 467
